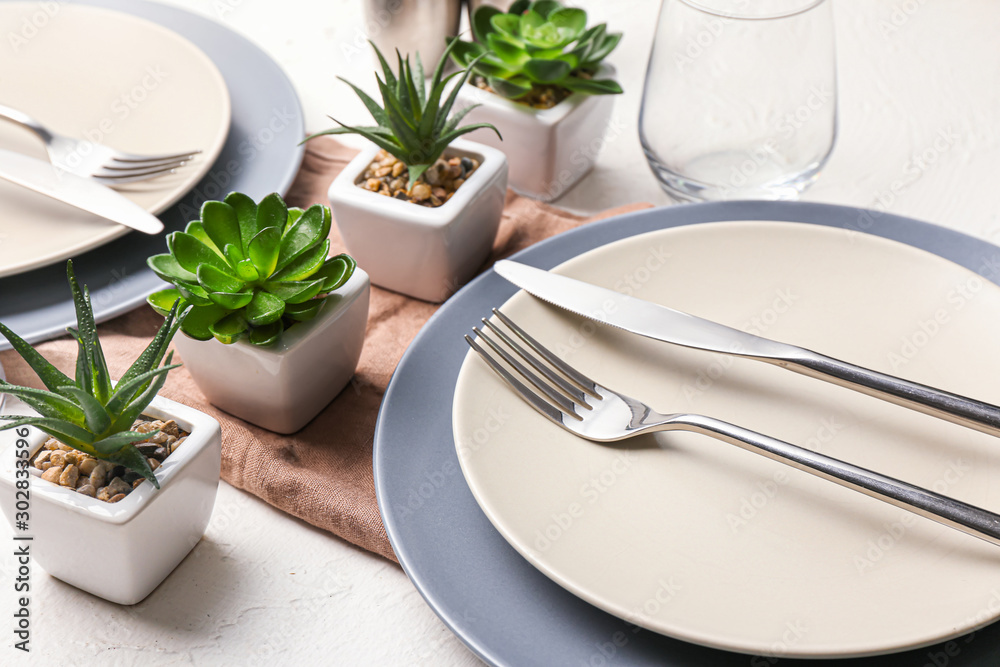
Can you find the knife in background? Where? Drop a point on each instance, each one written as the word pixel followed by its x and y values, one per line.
pixel 76 191
pixel 672 326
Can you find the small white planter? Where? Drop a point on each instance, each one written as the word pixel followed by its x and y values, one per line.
pixel 427 253
pixel 549 149
pixel 122 551
pixel 282 387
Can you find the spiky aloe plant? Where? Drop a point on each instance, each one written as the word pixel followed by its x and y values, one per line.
pixel 535 44
pixel 412 123
pixel 90 413
pixel 249 270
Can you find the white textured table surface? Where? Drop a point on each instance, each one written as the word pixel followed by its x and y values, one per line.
pixel 263 588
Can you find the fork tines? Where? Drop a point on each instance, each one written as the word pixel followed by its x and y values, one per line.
pixel 562 387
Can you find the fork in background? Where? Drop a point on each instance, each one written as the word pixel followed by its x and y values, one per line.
pixel 92 160
pixel 592 411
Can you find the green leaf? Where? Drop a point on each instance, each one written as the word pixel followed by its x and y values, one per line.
pixel 221 224
pixel 264 250
pixel 336 271
pixel 151 356
pixel 546 71
pixel 464 53
pixel 482 22
pixel 592 86
pixel 198 320
pixel 230 328
pixel 214 280
pixel 271 212
pixel 512 88
pixel 246 271
pixel 265 308
pixel 114 443
pixel 50 376
pixel 191 253
pixel 305 265
pixel 377 112
pixel 507 24
pixel 127 417
pixel 234 255
pixel 46 403
pixel 546 8
pixel 99 382
pixel 519 7
pixel 193 293
pixel 69 434
pixel 126 391
pixel 98 419
pixel 390 78
pixel 197 230
pixel 232 300
pixel 509 52
pixel 84 378
pixel 420 81
pixel 308 231
pixel 267 334
pixel 246 216
pixel 167 268
pixel 602 49
pixel 570 18
pixel 303 312
pixel 131 458
pixel 297 291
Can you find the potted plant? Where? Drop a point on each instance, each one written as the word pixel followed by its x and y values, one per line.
pixel 124 478
pixel 419 208
pixel 540 77
pixel 275 326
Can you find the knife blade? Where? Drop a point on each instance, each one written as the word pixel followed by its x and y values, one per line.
pixel 673 326
pixel 76 191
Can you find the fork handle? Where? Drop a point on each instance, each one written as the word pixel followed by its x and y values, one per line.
pixel 25 120
pixel 935 402
pixel 948 511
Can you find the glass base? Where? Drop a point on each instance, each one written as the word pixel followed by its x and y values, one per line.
pixel 719 180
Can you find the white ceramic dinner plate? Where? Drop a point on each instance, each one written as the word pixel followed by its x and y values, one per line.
pixel 108 77
pixel 702 541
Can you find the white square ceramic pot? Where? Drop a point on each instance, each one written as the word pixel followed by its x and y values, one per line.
pixel 282 387
pixel 422 252
pixel 549 150
pixel 121 551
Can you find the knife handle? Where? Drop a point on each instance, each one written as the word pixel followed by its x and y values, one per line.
pixel 935 402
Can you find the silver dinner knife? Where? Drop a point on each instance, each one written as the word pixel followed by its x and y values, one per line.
pixel 672 326
pixel 76 191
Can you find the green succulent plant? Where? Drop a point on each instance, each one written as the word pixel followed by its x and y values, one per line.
pixel 412 122
pixel 539 43
pixel 249 270
pixel 90 413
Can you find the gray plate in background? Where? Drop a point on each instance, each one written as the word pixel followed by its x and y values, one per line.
pixel 261 155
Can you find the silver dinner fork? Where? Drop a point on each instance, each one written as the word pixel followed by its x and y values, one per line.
pixel 592 411
pixel 92 160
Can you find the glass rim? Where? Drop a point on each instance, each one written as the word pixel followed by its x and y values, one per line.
pixel 702 7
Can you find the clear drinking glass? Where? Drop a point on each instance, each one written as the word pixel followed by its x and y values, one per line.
pixel 740 100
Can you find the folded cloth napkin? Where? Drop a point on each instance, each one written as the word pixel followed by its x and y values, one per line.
pixel 323 473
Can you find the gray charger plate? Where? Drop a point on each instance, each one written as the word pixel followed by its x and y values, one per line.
pixel 261 155
pixel 504 609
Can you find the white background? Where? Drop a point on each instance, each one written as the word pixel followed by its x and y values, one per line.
pixel 263 588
